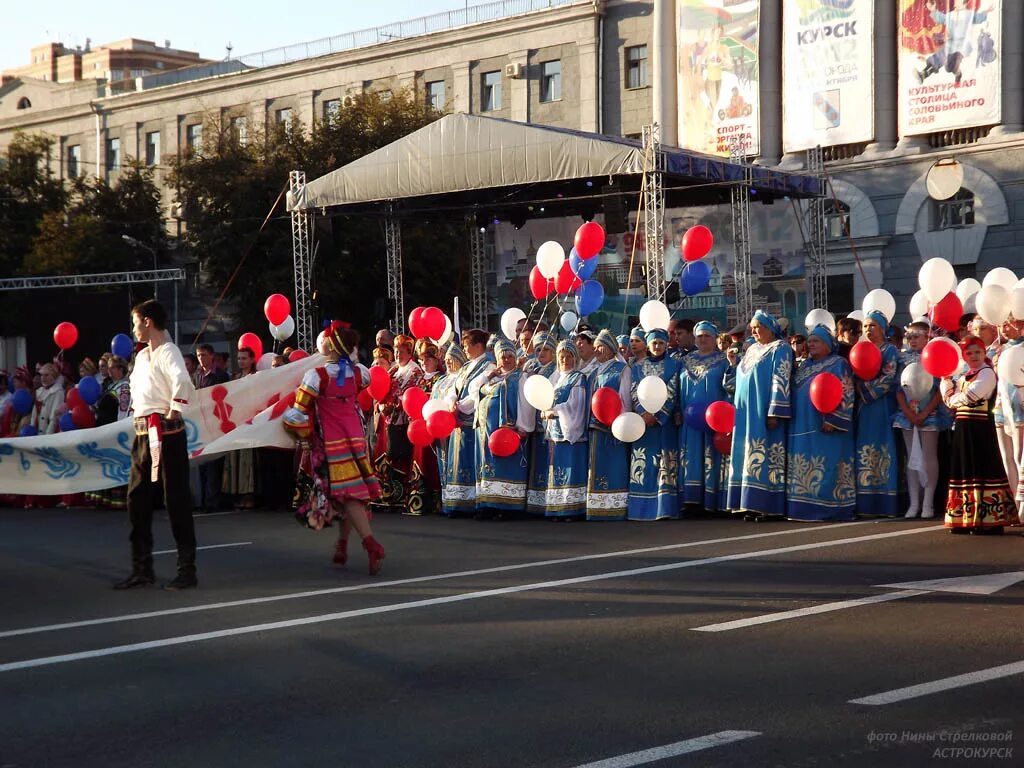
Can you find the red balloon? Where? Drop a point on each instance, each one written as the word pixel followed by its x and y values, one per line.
pixel 721 416
pixel 365 400
pixel 440 424
pixel 432 323
pixel 567 281
pixel 413 400
pixel 866 360
pixel 418 434
pixel 277 308
pixel 606 405
pixel 297 354
pixel 722 442
pixel 940 358
pixel 415 318
pixel 589 240
pixel 947 313
pixel 380 383
pixel 73 399
pixel 65 334
pixel 503 441
pixel 826 392
pixel 252 341
pixel 83 416
pixel 697 242
pixel 540 286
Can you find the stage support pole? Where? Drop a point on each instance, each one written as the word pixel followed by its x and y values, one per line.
pixel 817 273
pixel 741 236
pixel 305 336
pixel 654 211
pixel 478 257
pixel 393 242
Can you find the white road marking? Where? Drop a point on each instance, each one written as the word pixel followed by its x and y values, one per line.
pixel 412 580
pixel 208 546
pixel 673 750
pixel 769 618
pixel 946 684
pixel 465 596
pixel 986 584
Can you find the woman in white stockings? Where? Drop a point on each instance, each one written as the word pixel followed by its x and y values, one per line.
pixel 1008 412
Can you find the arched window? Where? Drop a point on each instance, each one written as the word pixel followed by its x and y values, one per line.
pixel 24 103
pixel 837 220
pixel 954 213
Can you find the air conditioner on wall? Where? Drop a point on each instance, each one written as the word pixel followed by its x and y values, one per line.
pixel 514 70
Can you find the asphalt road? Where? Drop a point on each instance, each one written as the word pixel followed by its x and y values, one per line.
pixel 509 644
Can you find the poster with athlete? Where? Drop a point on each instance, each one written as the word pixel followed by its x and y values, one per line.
pixel 949 64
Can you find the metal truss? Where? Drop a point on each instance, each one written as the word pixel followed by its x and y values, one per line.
pixel 302 260
pixel 741 236
pixel 817 266
pixel 393 243
pixel 478 256
pixel 103 278
pixel 654 211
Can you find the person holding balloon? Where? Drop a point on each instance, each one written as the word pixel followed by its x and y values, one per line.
pixel 654 458
pixel 424 458
pixel 454 359
pixel 239 479
pixel 757 463
pixel 608 465
pixel 876 364
pixel 565 497
pixel 701 377
pixel 394 450
pixel 542 364
pixel 49 398
pixel 979 499
pixel 820 460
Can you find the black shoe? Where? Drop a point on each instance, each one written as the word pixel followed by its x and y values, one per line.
pixel 137 579
pixel 182 581
pixel 751 517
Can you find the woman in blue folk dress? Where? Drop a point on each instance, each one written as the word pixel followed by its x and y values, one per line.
pixel 501 480
pixel 566 426
pixel 757 464
pixel 820 459
pixel 608 476
pixel 541 364
pixel 701 377
pixel 877 470
pixel 454 359
pixel 654 458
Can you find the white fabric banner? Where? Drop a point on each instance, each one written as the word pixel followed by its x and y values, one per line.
pixel 827 73
pixel 245 413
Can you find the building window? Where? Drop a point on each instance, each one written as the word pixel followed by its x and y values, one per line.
pixel 194 136
pixel 956 212
pixel 153 148
pixel 332 108
pixel 435 95
pixel 551 81
pixel 490 91
pixel 113 154
pixel 240 130
pixel 837 220
pixel 74 160
pixel 385 96
pixel 636 66
pixel 283 116
pixel 24 103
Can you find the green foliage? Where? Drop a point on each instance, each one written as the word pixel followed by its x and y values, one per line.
pixel 28 193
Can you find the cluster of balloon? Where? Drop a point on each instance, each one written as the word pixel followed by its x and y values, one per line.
pixel 944 301
pixel 65 335
pixel 554 273
pixel 431 323
pixel 696 274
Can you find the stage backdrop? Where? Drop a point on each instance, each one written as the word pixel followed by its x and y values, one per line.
pixel 717 51
pixel 949 64
pixel 827 72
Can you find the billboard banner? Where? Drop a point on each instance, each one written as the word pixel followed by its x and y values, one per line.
pixel 827 73
pixel 949 64
pixel 717 49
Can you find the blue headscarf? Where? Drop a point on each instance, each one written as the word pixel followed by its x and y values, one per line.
pixel 623 340
pixel 657 334
pixel 455 352
pixel 637 333
pixel 543 339
pixel 501 346
pixel 823 333
pixel 568 346
pixel 769 322
pixel 605 337
pixel 705 326
pixel 881 319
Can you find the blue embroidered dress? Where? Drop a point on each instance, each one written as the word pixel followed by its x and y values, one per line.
pixel 566 492
pixel 537 480
pixel 608 475
pixel 442 387
pixel 459 491
pixel 938 419
pixel 501 480
pixel 820 465
pixel 654 458
pixel 757 464
pixel 877 470
pixel 701 379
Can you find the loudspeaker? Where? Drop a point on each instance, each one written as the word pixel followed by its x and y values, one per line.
pixel 615 222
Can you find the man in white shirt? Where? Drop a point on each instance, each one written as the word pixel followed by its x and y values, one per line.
pixel 161 388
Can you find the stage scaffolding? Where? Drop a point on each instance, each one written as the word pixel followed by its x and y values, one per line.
pixel 302 260
pixel 654 211
pixel 740 195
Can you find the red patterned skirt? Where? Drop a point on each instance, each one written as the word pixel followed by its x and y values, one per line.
pixel 979 495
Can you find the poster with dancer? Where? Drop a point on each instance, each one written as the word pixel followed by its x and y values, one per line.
pixel 827 73
pixel 717 49
pixel 949 64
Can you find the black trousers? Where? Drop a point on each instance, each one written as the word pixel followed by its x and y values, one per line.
pixel 177 501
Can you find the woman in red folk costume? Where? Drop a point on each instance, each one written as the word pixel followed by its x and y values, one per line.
pixel 394 463
pixel 424 460
pixel 325 417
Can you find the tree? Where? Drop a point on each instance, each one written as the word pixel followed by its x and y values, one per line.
pixel 28 193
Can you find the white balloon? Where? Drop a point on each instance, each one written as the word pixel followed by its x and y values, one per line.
pixel 857 314
pixel 993 303
pixel 654 314
pixel 1017 302
pixel 935 277
pixel 882 301
pixel 509 319
pixel 628 427
pixel 320 342
pixel 652 393
pixel 1011 365
pixel 967 288
pixel 284 330
pixel 1000 276
pixel 568 321
pixel 818 317
pixel 539 393
pixel 433 406
pixel 550 256
pixel 266 361
pixel 916 382
pixel 447 335
pixel 918 304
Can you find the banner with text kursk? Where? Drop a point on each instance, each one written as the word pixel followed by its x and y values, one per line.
pixel 718 66
pixel 949 64
pixel 827 73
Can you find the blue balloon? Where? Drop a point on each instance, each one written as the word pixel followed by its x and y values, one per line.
pixel 121 345
pixel 694 415
pixel 67 424
pixel 90 390
pixel 28 431
pixel 583 268
pixel 589 297
pixel 695 277
pixel 22 402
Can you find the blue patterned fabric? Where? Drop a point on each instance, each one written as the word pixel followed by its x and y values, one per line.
pixel 701 379
pixel 608 467
pixel 654 458
pixel 877 470
pixel 500 480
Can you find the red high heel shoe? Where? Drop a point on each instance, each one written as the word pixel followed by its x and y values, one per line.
pixel 375 554
pixel 341 552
